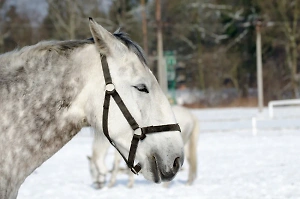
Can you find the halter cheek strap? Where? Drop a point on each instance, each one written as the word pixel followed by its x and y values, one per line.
pixel 139 133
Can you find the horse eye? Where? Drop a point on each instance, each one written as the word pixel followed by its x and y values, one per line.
pixel 142 88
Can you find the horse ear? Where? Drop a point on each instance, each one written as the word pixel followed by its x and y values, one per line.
pixel 101 36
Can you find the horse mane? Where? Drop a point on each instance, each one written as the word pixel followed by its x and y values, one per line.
pixel 121 36
pixel 131 45
pixel 9 70
pixel 62 48
pixel 65 46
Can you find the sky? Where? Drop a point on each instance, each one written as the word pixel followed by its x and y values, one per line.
pixel 37 9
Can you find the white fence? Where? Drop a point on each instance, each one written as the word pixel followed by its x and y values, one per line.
pixel 248 119
pixel 290 118
pixel 271 105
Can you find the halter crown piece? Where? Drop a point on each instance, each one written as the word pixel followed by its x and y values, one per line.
pixel 139 133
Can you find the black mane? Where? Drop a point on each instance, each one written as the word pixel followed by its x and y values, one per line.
pixel 134 47
pixel 124 38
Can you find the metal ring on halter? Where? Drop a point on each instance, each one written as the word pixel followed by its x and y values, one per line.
pixel 110 87
pixel 138 131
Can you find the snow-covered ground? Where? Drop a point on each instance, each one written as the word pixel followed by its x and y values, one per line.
pixel 233 163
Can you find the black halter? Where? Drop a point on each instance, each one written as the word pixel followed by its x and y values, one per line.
pixel 139 133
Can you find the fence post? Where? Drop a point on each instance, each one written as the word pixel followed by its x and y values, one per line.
pixel 254 129
pixel 270 107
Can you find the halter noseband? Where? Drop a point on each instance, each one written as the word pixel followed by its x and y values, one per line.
pixel 139 133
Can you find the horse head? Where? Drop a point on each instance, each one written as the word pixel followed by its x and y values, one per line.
pixel 160 154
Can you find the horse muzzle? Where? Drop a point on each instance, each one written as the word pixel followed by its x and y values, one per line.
pixel 162 172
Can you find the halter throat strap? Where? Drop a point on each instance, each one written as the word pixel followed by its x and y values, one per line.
pixel 139 133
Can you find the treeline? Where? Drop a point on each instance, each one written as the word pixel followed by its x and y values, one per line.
pixel 214 40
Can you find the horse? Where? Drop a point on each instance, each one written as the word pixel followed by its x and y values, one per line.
pixel 50 90
pixel 189 131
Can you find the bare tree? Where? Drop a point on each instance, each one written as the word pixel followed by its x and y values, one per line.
pixel 162 74
pixel 66 16
pixel 144 27
pixel 3 34
pixel 285 17
pixel 69 16
pixel 15 28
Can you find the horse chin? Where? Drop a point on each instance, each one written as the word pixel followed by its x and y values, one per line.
pixel 151 171
pixel 157 178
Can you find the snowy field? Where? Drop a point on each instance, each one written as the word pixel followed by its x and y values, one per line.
pixel 233 163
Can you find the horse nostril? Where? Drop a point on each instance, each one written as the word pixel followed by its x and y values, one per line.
pixel 176 165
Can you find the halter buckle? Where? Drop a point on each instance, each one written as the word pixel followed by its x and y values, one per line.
pixel 134 171
pixel 110 87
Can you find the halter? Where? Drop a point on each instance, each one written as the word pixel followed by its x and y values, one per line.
pixel 139 133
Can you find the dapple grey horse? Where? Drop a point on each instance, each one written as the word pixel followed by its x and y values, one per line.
pixel 50 90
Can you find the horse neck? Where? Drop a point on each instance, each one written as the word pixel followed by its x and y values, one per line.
pixel 42 104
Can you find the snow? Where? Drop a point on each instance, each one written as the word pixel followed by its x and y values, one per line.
pixel 232 162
